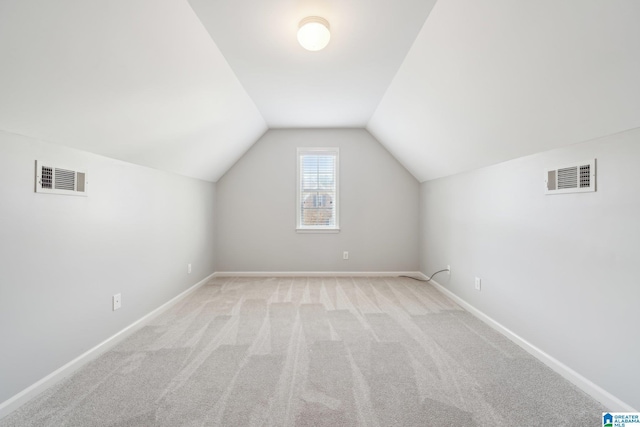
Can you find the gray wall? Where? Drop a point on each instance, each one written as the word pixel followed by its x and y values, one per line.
pixel 560 271
pixel 63 257
pixel 256 210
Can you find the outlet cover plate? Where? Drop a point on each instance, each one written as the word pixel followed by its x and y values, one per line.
pixel 117 301
pixel 478 284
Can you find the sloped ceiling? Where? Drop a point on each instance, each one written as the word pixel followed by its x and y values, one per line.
pixel 188 87
pixel 136 80
pixel 494 80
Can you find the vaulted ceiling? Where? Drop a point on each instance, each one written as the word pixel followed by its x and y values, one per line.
pixel 446 86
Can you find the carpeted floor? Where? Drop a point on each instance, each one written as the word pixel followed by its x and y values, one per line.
pixel 313 352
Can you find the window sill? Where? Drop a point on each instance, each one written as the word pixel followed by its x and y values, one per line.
pixel 317 230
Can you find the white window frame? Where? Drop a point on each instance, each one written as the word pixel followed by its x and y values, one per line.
pixel 334 151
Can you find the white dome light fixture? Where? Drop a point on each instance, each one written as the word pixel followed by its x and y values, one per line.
pixel 313 33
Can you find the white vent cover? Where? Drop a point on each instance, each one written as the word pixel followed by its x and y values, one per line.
pixel 577 178
pixel 58 180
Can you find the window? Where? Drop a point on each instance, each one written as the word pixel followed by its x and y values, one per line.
pixel 317 201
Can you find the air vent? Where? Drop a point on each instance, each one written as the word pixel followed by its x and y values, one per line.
pixel 65 180
pixel 46 179
pixel 577 178
pixel 59 180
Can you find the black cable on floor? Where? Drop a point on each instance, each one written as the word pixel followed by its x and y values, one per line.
pixel 427 279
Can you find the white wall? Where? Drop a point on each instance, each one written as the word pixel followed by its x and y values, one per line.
pixel 560 271
pixel 256 209
pixel 63 257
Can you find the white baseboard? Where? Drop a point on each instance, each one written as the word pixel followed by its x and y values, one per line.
pixel 316 273
pixel 609 401
pixel 59 374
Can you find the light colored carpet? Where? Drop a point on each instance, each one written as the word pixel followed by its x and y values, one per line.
pixel 313 352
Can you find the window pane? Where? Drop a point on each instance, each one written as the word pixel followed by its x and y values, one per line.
pixel 317 189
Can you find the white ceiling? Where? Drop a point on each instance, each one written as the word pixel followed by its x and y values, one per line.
pixel 339 86
pixel 137 80
pixel 188 87
pixel 494 80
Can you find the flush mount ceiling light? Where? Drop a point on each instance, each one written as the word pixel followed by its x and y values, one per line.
pixel 313 33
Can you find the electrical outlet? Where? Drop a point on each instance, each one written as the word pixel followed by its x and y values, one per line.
pixel 448 269
pixel 189 268
pixel 345 255
pixel 117 301
pixel 478 284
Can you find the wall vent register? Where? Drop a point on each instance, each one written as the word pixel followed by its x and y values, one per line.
pixel 577 178
pixel 58 180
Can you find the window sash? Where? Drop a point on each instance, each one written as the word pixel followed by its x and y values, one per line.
pixel 317 190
